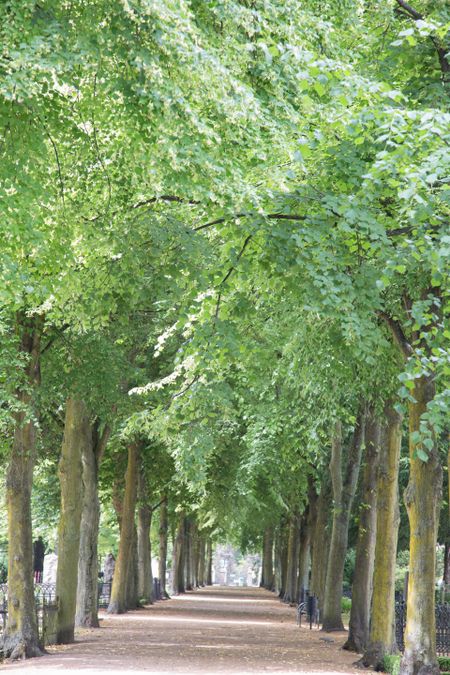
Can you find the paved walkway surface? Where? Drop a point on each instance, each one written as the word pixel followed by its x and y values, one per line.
pixel 213 630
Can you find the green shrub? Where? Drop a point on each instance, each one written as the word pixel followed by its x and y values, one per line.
pixel 391 663
pixel 444 663
pixel 346 605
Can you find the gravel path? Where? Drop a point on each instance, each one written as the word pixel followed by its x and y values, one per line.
pixel 213 630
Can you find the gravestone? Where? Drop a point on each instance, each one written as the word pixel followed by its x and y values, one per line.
pixel 109 565
pixel 50 567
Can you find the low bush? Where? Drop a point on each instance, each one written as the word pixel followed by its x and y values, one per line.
pixel 346 605
pixel 391 663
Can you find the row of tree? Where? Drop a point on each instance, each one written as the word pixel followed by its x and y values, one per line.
pixel 224 268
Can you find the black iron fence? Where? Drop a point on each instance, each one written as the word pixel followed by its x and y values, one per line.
pixel 442 627
pixel 104 594
pixel 46 611
pixel 47 606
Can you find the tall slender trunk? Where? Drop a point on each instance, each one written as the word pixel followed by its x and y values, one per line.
pixel 21 634
pixel 290 594
pixel 202 561
pixel 132 582
pixel 87 590
pixel 188 545
pixel 144 518
pixel 196 556
pixel 178 585
pixel 343 494
pixel 267 566
pixel 209 562
pixel 304 557
pixel 124 563
pixel 163 530
pixel 382 633
pixel 282 558
pixel 320 542
pixel 358 635
pixel 422 498
pixel 77 438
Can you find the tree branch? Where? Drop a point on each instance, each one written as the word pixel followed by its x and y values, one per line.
pixel 165 198
pixel 410 10
pixel 444 62
pixel 397 333
pixel 270 216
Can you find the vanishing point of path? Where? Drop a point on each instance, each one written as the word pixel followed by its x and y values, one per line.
pixel 213 630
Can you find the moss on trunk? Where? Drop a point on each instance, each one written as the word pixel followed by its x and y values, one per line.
pixel 87 590
pixel 365 547
pixel 344 487
pixel 382 636
pixel 422 498
pixel 143 542
pixel 77 440
pixel 21 633
pixel 320 541
pixel 120 594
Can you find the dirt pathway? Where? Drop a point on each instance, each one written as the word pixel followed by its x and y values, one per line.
pixel 214 630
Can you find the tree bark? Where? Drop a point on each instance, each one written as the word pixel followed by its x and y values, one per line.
pixel 267 565
pixel 144 518
pixel 77 440
pixel 290 594
pixel 21 635
pixel 188 546
pixel 87 590
pixel 304 558
pixel 320 542
pixel 202 561
pixel 358 635
pixel 163 530
pixel 132 597
pixel 209 562
pixel 282 558
pixel 178 582
pixel 124 564
pixel 422 498
pixel 382 627
pixel 343 494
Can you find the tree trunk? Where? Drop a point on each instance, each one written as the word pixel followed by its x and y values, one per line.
pixel 422 498
pixel 188 545
pixel 124 563
pixel 145 579
pixel 290 594
pixel 87 590
pixel 178 585
pixel 267 566
pixel 21 634
pixel 343 494
pixel 358 635
pixel 209 562
pixel 202 561
pixel 382 627
pixel 304 558
pixel 320 542
pixel 77 440
pixel 163 529
pixel 283 558
pixel 132 598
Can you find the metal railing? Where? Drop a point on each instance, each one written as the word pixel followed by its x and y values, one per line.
pixel 442 627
